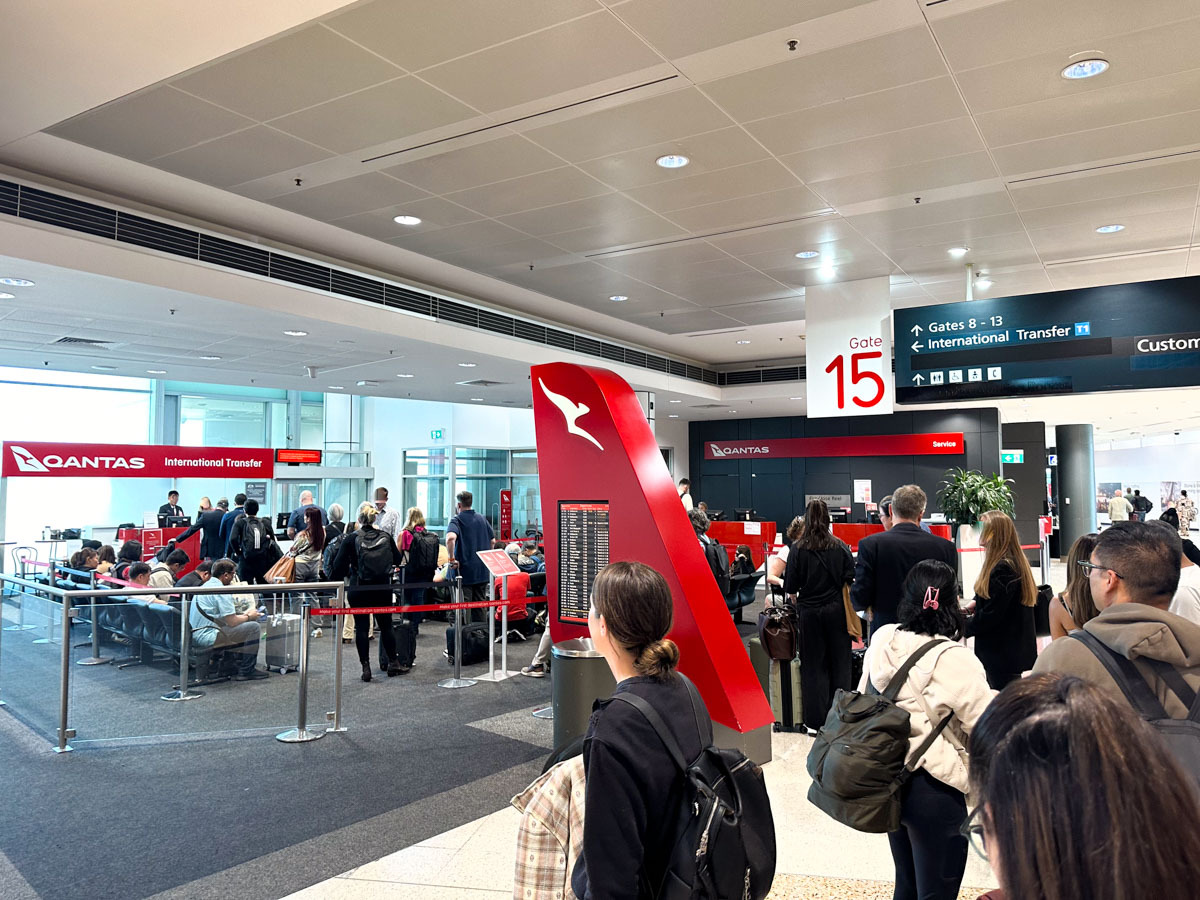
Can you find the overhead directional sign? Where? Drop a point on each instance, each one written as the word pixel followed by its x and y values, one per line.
pixel 1012 456
pixel 1115 337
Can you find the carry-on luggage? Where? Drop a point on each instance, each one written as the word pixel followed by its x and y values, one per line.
pixel 282 634
pixel 785 694
pixel 406 645
pixel 474 643
pixel 761 663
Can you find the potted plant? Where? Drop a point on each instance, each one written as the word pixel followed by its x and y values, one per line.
pixel 964 496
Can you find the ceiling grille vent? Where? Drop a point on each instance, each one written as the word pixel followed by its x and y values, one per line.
pixel 60 210
pixel 86 342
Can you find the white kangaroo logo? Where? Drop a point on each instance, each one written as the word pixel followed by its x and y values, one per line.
pixel 571 412
pixel 26 461
pixel 716 451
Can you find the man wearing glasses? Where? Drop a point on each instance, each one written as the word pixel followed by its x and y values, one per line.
pixel 1133 574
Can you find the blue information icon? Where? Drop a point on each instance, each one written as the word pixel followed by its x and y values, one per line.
pixel 1082 329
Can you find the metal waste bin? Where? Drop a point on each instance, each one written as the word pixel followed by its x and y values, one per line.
pixel 578 675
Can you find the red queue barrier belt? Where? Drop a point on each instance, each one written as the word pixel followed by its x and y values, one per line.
pixel 981 549
pixel 424 607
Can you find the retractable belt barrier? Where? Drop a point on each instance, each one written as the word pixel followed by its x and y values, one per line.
pixel 422 607
pixel 981 549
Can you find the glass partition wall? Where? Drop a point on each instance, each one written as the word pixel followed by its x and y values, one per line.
pixel 434 476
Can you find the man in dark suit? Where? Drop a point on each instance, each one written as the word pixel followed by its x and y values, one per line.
pixel 211 545
pixel 884 560
pixel 171 507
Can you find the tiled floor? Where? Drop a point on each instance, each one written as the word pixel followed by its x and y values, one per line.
pixel 817 857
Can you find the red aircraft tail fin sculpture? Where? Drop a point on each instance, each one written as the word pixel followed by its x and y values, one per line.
pixel 603 478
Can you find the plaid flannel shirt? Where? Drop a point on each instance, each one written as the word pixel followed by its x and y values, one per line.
pixel 550 837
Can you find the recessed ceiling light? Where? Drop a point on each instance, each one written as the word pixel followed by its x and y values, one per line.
pixel 982 284
pixel 958 252
pixel 467 365
pixel 795 398
pixel 336 387
pixel 674 401
pixel 733 410
pixel 672 416
pixel 1109 229
pixel 743 342
pixel 6 296
pixel 404 375
pixel 156 371
pixel 1085 68
pixel 210 358
pixel 673 161
pixel 16 282
pixel 808 254
pixel 105 368
pixel 826 272
pixel 296 333
pixel 618 298
pixel 406 220
pixel 476 399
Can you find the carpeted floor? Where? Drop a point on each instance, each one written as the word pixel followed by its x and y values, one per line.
pixel 144 807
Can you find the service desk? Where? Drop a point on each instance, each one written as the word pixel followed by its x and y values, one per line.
pixel 851 534
pixel 752 534
pixel 154 539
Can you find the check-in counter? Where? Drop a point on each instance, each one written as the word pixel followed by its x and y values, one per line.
pixel 752 534
pixel 851 534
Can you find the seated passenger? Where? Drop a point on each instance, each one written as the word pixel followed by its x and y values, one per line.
pixel 216 624
pixel 108 559
pixel 131 552
pixel 84 560
pixel 198 576
pixel 139 574
pixel 163 574
pixel 528 560
pixel 741 589
pixel 1077 798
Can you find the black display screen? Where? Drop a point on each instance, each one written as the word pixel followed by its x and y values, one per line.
pixel 1115 337
pixel 582 552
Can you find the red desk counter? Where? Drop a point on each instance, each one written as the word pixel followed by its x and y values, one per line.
pixel 154 539
pixel 852 534
pixel 730 534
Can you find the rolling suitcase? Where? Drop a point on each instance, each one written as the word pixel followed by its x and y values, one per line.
pixel 282 636
pixel 406 645
pixel 785 694
pixel 474 643
pixel 761 663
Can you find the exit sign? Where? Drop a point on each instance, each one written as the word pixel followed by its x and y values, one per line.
pixel 1012 456
pixel 436 434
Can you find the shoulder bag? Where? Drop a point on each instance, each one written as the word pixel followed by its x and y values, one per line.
pixel 779 632
pixel 853 622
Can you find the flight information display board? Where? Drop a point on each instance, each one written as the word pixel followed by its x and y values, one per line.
pixel 1115 337
pixel 582 552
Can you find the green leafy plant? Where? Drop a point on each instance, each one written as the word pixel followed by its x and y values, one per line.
pixel 967 494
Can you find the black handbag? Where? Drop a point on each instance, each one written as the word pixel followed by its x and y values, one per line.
pixel 779 631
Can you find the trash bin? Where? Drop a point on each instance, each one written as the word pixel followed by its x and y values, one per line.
pixel 578 676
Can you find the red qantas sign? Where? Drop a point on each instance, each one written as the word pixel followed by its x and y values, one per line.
pixel 30 459
pixel 948 443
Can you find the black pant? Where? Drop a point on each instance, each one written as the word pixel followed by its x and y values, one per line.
pixel 998 680
pixel 824 659
pixel 362 623
pixel 929 852
pixel 476 593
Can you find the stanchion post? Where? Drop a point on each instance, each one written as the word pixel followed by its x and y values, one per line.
pixel 95 659
pixel 337 663
pixel 504 630
pixel 22 595
pixel 185 641
pixel 64 686
pixel 457 681
pixel 49 638
pixel 300 734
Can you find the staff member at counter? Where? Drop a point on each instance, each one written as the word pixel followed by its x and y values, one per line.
pixel 171 507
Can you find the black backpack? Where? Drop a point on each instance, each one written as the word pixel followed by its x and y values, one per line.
pixel 374 556
pixel 256 542
pixel 859 760
pixel 718 561
pixel 329 554
pixel 724 846
pixel 1181 735
pixel 423 552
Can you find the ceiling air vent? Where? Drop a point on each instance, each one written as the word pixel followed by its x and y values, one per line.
pixel 87 342
pixel 711 406
pixel 480 382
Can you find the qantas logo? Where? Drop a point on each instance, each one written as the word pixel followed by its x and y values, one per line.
pixel 719 451
pixel 571 411
pixel 27 462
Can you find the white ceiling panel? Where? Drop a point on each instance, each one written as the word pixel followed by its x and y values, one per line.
pixel 964 233
pixel 916 215
pixel 242 156
pixel 775 206
pixel 713 187
pixel 415 35
pixel 910 180
pixel 1114 181
pixel 790 238
pixel 576 214
pixel 709 152
pixel 597 237
pixel 895 109
pixel 506 156
pixel 1111 210
pixel 562 58
pixel 548 188
pixel 1170 228
pixel 1119 271
pixel 371 190
pixel 458 237
pixel 833 76
pixel 434 213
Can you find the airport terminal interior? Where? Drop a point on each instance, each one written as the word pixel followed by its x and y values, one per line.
pixel 579 282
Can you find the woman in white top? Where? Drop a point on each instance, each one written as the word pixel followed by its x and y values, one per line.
pixel 929 851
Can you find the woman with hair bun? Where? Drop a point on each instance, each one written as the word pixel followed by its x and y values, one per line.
pixel 633 787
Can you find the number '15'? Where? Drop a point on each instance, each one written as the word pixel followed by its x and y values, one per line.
pixel 856 375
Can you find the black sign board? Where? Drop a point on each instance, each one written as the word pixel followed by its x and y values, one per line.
pixel 582 552
pixel 1110 338
pixel 256 490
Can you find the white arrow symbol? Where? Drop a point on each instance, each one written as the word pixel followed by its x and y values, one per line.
pixel 917 329
pixel 918 378
pixel 917 347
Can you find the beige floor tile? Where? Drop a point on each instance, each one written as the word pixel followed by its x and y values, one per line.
pixel 412 865
pixel 455 838
pixel 341 889
pixel 483 870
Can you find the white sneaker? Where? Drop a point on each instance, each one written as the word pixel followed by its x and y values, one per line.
pixel 316 632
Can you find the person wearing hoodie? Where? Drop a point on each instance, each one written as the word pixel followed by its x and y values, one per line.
pixel 1133 574
pixel 947 683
